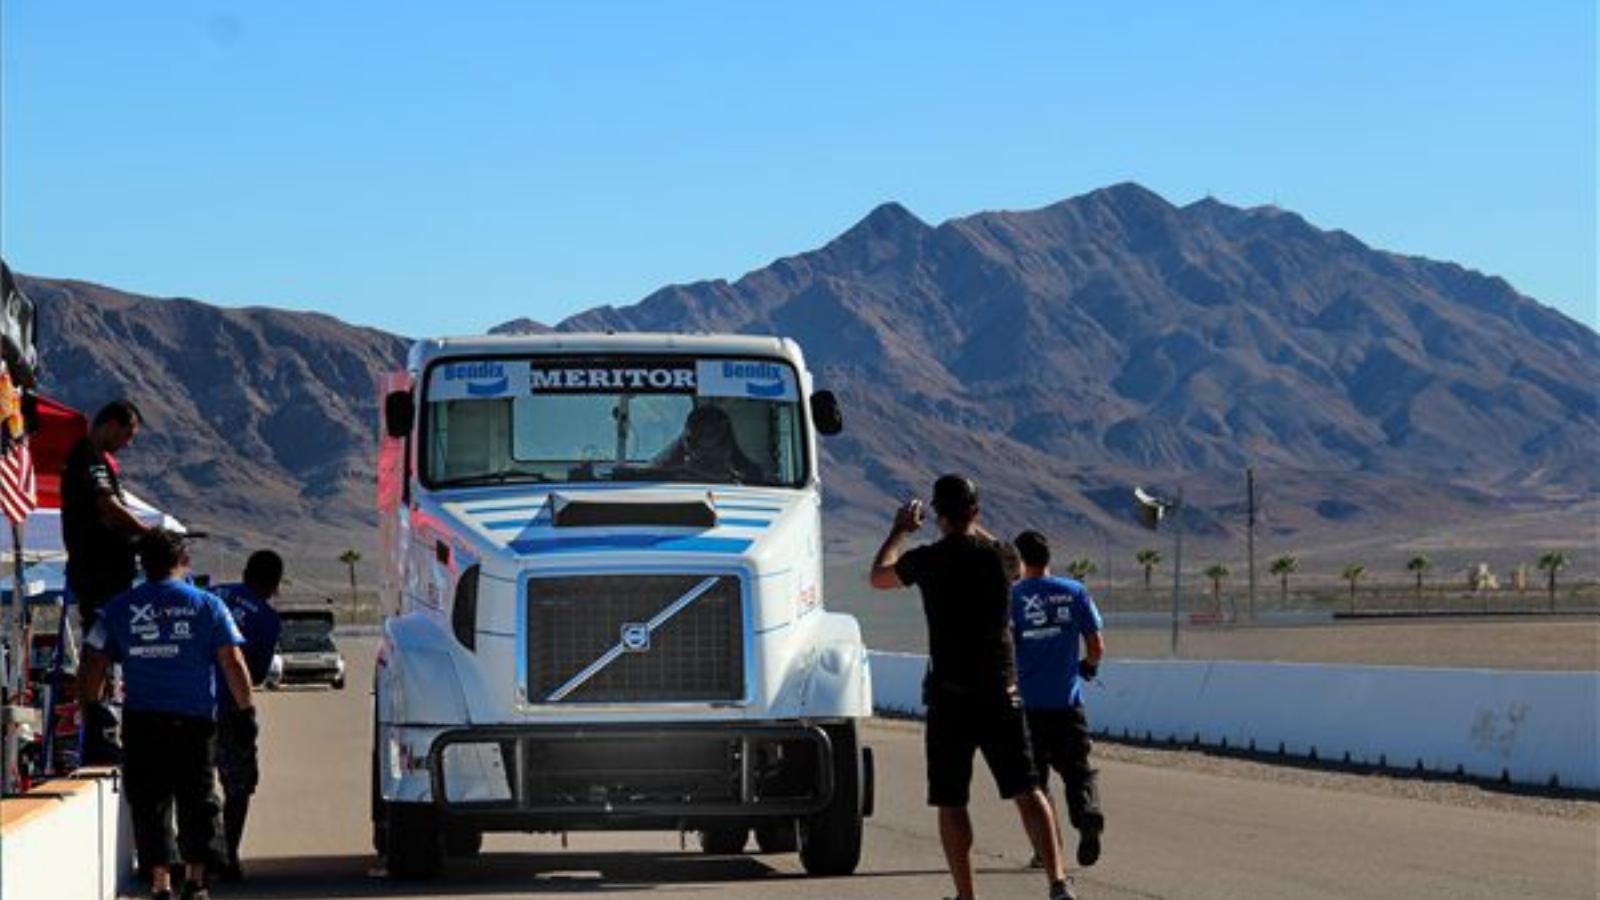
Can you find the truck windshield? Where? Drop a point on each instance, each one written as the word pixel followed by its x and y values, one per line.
pixel 565 420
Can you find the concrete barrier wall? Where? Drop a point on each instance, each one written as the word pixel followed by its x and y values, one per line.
pixel 1533 728
pixel 66 839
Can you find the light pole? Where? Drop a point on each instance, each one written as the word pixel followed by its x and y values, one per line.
pixel 1250 541
pixel 1151 509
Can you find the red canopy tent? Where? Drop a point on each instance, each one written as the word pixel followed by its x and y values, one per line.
pixel 60 426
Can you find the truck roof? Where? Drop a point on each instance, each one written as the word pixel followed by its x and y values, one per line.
pixel 587 342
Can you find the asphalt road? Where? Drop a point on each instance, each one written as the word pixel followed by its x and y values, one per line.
pixel 1173 833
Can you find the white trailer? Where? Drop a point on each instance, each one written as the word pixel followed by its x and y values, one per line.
pixel 604 604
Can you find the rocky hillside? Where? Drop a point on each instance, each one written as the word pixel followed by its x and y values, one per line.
pixel 1058 354
pixel 260 421
pixel 1064 351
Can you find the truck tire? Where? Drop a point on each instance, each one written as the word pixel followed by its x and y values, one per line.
pixel 778 837
pixel 463 843
pixel 830 840
pixel 723 841
pixel 378 809
pixel 416 842
pixel 380 814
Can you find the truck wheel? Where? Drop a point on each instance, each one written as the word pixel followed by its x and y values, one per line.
pixel 778 837
pixel 724 841
pixel 338 683
pixel 463 843
pixel 380 814
pixel 379 809
pixel 416 843
pixel 830 840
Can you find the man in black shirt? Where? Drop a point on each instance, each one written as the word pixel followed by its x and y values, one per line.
pixel 971 686
pixel 99 532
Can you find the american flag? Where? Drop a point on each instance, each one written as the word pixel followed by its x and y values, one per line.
pixel 18 489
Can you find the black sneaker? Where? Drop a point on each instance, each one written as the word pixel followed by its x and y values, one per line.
pixel 194 890
pixel 1088 846
pixel 1062 890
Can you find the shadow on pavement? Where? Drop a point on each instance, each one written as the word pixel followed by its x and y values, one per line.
pixel 492 873
pixel 518 873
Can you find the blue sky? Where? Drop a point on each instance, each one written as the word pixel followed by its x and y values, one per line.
pixel 439 168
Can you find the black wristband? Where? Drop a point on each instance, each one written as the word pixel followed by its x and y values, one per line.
pixel 1088 670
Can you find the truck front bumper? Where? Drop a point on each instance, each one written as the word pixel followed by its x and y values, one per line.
pixel 645 777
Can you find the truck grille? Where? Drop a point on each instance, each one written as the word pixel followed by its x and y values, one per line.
pixel 593 626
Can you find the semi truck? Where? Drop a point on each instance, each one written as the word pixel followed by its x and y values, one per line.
pixel 602 586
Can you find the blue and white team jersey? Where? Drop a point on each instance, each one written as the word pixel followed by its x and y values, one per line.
pixel 166 634
pixel 1049 618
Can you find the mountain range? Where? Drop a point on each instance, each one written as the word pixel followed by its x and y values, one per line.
pixel 1060 355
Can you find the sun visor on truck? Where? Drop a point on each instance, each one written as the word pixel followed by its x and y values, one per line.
pixel 575 511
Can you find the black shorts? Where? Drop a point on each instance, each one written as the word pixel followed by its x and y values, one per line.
pixel 957 730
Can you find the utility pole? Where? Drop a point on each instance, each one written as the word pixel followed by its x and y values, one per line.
pixel 1177 568
pixel 1250 541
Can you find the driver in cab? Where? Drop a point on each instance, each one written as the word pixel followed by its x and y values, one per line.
pixel 708 449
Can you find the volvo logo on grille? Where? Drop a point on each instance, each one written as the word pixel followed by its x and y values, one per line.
pixel 635 637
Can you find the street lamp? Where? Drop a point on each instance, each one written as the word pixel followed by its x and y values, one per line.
pixel 1151 509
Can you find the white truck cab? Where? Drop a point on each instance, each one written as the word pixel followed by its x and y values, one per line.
pixel 603 600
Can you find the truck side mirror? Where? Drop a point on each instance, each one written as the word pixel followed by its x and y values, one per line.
pixel 825 413
pixel 399 413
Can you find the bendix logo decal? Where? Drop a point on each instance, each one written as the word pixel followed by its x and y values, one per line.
pixel 483 379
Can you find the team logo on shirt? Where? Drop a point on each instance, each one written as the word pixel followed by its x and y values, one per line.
pixel 142 622
pixel 180 631
pixel 1033 610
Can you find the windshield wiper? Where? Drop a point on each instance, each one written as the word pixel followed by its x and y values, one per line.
pixel 496 478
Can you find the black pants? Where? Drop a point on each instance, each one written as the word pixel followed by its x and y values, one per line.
pixel 239 772
pixel 101 719
pixel 170 760
pixel 1061 742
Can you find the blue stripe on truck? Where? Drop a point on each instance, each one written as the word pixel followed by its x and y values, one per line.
pixel 659 543
pixel 519 524
pixel 516 524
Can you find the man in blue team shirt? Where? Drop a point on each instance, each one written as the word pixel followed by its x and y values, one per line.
pixel 171 639
pixel 250 603
pixel 1049 615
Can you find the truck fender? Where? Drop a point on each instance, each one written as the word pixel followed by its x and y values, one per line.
pixel 833 679
pixel 417 681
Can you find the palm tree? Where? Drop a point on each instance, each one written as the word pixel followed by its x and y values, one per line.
pixel 1419 565
pixel 1283 567
pixel 1081 568
pixel 1353 573
pixel 1148 558
pixel 1216 572
pixel 350 558
pixel 1551 563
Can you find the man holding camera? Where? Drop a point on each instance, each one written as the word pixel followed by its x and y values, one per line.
pixel 971 685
